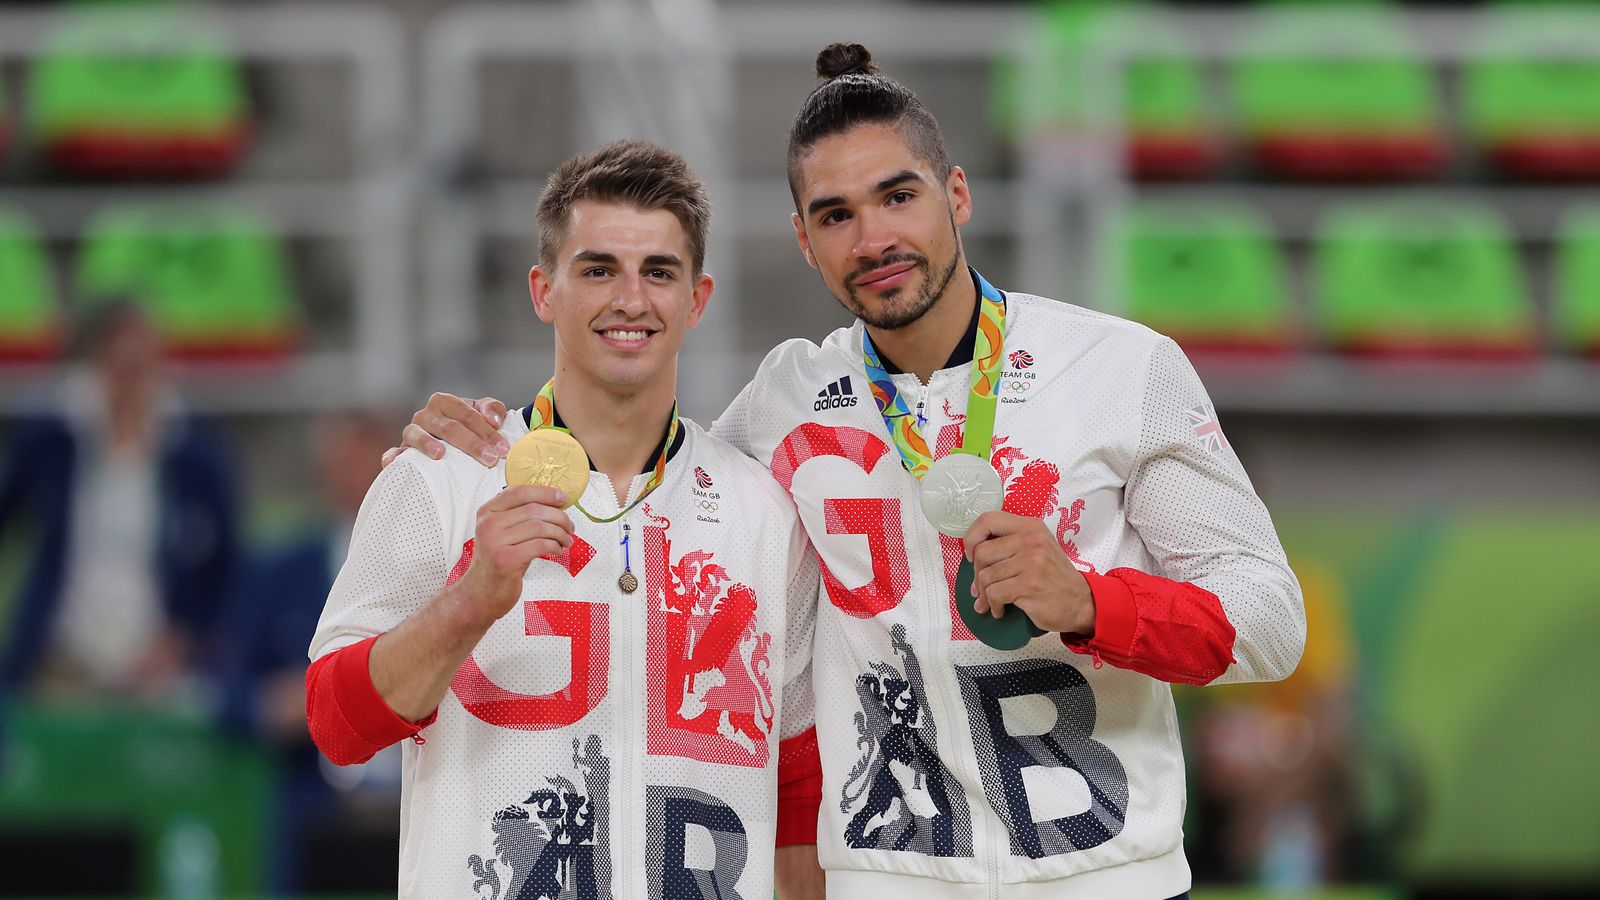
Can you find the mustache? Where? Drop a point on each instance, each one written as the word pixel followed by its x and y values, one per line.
pixel 892 260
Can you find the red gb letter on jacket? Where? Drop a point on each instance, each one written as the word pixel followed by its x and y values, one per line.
pixel 588 627
pixel 710 698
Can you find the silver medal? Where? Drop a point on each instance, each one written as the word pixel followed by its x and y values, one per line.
pixel 957 489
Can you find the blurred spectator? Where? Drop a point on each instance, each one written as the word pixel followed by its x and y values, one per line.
pixel 132 508
pixel 263 668
pixel 1273 764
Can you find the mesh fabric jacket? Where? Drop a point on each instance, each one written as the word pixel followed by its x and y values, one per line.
pixel 597 743
pixel 951 768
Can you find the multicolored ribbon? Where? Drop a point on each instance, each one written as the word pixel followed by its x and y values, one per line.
pixel 544 416
pixel 904 428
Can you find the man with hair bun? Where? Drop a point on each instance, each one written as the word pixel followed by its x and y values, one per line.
pixel 1034 527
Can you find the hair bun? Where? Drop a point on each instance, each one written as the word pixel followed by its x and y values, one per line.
pixel 845 59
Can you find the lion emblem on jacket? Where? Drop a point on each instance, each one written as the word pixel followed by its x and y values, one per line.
pixel 899 796
pixel 553 845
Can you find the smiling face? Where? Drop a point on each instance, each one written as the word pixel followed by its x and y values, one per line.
pixel 621 292
pixel 879 224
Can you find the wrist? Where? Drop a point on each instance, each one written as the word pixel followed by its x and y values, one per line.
pixel 479 602
pixel 1086 614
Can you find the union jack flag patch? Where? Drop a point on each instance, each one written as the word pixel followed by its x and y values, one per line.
pixel 1203 419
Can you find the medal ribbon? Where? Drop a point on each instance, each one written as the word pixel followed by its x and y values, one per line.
pixel 544 416
pixel 979 431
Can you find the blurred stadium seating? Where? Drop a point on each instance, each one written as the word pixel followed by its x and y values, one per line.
pixel 1337 92
pixel 215 282
pixel 1415 279
pixel 1167 112
pixel 1210 276
pixel 1532 93
pixel 1320 180
pixel 137 94
pixel 30 315
pixel 1577 290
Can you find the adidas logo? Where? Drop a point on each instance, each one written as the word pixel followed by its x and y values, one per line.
pixel 836 395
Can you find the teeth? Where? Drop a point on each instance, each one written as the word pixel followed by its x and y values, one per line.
pixel 616 335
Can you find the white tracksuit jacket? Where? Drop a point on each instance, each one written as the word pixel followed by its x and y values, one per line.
pixel 953 770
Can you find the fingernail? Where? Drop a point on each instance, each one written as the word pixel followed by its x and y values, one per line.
pixel 436 450
pixel 489 458
pixel 503 445
pixel 561 498
pixel 494 419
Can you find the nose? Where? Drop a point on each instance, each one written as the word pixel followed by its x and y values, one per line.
pixel 875 238
pixel 631 299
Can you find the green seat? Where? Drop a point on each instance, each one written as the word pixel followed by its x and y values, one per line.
pixel 215 283
pixel 138 93
pixel 1211 277
pixel 30 317
pixel 1436 279
pixel 1576 315
pixel 1164 100
pixel 1534 116
pixel 1337 92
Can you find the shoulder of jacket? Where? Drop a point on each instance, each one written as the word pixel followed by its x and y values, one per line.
pixel 799 354
pixel 1131 345
pixel 1042 310
pixel 457 478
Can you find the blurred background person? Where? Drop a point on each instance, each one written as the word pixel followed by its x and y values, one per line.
pixel 133 517
pixel 318 807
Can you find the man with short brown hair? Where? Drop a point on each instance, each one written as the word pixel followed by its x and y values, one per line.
pixel 595 700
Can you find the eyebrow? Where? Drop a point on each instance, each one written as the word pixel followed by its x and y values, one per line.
pixel 600 257
pixel 893 181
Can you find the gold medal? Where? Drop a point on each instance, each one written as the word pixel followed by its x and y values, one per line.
pixel 551 458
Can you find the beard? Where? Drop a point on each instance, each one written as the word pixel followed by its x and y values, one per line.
pixel 896 311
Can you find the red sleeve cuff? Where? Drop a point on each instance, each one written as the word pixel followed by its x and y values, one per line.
pixel 363 707
pixel 348 719
pixel 1116 616
pixel 1174 631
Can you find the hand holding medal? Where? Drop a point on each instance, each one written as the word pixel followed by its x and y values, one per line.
pixel 549 455
pixel 961 487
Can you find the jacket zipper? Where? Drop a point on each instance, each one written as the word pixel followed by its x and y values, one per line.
pixel 622 873
pixel 939 663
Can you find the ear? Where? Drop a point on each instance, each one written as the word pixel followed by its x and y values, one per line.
pixel 539 287
pixel 703 286
pixel 803 240
pixel 960 194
